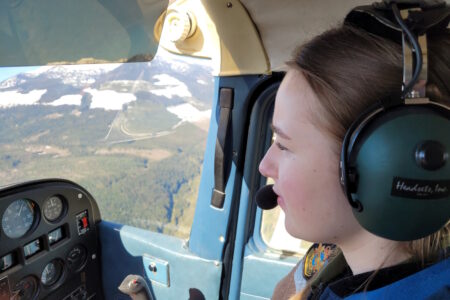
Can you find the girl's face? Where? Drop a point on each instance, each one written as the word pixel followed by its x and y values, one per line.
pixel 303 162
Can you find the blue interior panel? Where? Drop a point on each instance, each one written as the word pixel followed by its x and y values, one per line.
pixel 262 271
pixel 123 252
pixel 209 227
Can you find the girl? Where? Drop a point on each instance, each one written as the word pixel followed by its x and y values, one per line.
pixel 331 80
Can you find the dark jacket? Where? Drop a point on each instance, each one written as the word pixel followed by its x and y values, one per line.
pixel 406 281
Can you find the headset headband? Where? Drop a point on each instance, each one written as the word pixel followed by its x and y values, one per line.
pixel 421 17
pixel 434 17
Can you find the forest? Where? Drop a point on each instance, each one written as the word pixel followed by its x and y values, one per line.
pixel 141 162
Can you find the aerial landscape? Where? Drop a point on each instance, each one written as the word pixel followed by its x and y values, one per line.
pixel 132 134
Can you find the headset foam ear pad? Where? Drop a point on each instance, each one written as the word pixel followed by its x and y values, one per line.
pixel 401 200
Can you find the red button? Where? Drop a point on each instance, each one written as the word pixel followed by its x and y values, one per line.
pixel 85 222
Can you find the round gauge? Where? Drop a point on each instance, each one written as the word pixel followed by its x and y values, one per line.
pixel 51 273
pixel 25 289
pixel 76 258
pixel 53 208
pixel 18 218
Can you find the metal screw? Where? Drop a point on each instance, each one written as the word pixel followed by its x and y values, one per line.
pixel 229 4
pixel 152 267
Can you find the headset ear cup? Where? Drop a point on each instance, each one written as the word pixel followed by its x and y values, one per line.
pixel 348 170
pixel 401 199
pixel 347 184
pixel 352 180
pixel 352 188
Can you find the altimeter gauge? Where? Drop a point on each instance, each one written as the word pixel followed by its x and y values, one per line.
pixel 18 218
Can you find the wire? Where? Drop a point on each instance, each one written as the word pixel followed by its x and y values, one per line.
pixel 416 47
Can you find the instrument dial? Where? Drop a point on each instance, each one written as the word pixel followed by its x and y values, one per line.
pixel 18 218
pixel 25 289
pixel 53 208
pixel 51 273
pixel 76 258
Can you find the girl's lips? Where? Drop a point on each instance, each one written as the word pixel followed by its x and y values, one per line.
pixel 280 201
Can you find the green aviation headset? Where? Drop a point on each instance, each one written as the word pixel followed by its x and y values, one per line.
pixel 395 168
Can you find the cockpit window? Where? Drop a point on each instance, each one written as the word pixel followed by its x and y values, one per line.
pixel 275 235
pixel 132 134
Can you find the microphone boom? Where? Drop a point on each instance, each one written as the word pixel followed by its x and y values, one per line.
pixel 266 198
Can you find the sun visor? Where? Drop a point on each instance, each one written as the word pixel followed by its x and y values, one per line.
pixel 77 31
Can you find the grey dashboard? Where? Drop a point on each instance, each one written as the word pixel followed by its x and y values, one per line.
pixel 49 245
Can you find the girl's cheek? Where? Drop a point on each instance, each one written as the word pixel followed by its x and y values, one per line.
pixel 291 184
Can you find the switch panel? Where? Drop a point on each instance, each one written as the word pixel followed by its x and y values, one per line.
pixel 82 222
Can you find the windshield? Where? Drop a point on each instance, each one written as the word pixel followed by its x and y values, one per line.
pixel 132 134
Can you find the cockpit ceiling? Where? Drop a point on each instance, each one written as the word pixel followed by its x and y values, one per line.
pixel 285 24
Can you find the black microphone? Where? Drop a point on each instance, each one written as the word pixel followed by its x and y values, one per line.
pixel 266 198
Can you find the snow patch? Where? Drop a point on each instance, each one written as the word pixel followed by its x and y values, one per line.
pixel 38 71
pixel 164 79
pixel 173 87
pixel 67 100
pixel 10 82
pixel 187 112
pixel 79 75
pixel 109 100
pixel 15 98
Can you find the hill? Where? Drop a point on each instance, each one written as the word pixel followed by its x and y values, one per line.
pixel 132 134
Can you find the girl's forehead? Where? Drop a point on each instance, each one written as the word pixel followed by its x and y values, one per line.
pixel 295 98
pixel 298 112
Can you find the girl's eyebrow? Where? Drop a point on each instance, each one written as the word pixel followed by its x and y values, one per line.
pixel 279 132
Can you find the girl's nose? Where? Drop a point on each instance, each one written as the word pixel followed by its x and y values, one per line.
pixel 267 165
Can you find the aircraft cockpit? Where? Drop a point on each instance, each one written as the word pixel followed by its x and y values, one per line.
pixel 130 138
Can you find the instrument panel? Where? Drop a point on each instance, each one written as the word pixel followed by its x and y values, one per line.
pixel 49 246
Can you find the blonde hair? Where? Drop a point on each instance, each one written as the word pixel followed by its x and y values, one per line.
pixel 349 70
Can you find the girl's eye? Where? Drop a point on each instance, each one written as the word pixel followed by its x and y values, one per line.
pixel 281 147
